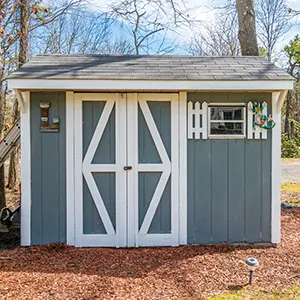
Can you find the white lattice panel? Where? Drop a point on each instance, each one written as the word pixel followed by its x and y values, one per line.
pixel 254 131
pixel 197 120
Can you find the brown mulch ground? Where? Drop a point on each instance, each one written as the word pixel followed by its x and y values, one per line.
pixel 193 272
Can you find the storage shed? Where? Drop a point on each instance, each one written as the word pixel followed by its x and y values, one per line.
pixel 129 151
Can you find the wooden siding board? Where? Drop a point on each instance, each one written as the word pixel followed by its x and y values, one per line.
pixel 36 170
pixel 219 197
pixel 62 169
pixel 203 193
pixel 48 152
pixel 236 187
pixel 245 215
pixel 253 191
pixel 191 178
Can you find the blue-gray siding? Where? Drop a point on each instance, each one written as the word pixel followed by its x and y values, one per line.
pixel 161 112
pixel 229 183
pixel 48 172
pixel 105 154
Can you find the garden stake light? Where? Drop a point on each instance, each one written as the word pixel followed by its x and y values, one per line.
pixel 252 264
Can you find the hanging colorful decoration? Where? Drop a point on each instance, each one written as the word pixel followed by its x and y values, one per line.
pixel 261 120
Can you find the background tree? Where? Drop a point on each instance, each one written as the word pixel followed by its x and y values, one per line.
pixel 149 23
pixel 272 18
pixel 247 27
pixel 17 20
pixel 292 104
pixel 217 39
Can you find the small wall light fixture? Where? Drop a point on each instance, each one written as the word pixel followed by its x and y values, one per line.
pixel 252 264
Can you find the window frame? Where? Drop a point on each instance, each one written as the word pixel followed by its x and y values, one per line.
pixel 227 136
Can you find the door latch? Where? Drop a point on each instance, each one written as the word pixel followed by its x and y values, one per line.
pixel 126 168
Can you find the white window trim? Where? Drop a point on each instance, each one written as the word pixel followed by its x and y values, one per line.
pixel 227 136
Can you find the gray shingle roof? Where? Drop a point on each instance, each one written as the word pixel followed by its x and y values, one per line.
pixel 132 67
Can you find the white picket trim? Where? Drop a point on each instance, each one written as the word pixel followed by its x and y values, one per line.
pixel 250 123
pixel 194 120
pixel 264 133
pixel 252 129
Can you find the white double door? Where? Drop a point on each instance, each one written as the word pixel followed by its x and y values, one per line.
pixel 126 169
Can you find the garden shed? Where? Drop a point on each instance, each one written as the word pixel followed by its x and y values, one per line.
pixel 129 151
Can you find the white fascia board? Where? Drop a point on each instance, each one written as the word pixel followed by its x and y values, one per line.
pixel 147 85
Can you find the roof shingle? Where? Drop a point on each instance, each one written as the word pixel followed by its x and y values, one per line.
pixel 131 67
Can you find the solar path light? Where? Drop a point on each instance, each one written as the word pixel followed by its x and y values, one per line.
pixel 252 264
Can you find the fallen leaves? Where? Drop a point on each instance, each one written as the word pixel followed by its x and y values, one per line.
pixel 57 271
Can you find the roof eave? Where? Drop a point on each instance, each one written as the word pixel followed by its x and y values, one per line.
pixel 149 85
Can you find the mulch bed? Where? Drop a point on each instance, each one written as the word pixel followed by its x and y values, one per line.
pixel 57 271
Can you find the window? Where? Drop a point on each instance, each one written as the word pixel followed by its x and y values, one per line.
pixel 226 120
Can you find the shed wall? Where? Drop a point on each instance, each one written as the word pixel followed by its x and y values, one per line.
pixel 48 171
pixel 229 182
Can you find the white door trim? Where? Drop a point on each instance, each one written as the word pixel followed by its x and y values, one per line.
pixel 84 167
pixel 126 108
pixel 183 168
pixel 70 168
pixel 142 237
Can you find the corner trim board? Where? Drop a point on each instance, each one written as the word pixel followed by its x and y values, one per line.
pixel 276 156
pixel 26 173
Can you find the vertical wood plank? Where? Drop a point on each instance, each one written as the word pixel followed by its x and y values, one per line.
pixel 197 120
pixel 219 190
pixel 264 132
pixel 70 167
pixel 253 191
pixel 250 121
pixel 190 120
pixel 204 120
pixel 236 187
pixel 182 168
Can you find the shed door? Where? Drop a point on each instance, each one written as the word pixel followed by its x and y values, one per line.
pixel 153 181
pixel 100 181
pixel 126 170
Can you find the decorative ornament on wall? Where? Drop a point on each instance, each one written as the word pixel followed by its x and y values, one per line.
pixel 260 119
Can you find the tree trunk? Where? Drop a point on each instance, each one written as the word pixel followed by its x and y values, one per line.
pixel 247 27
pixel 2 103
pixel 23 51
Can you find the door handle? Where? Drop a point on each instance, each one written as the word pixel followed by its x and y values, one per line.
pixel 126 168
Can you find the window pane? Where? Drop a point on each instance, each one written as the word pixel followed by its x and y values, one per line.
pixel 226 113
pixel 221 128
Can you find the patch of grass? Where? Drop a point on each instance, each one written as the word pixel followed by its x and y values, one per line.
pixel 290 293
pixel 290 192
pixel 290 187
pixel 287 160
